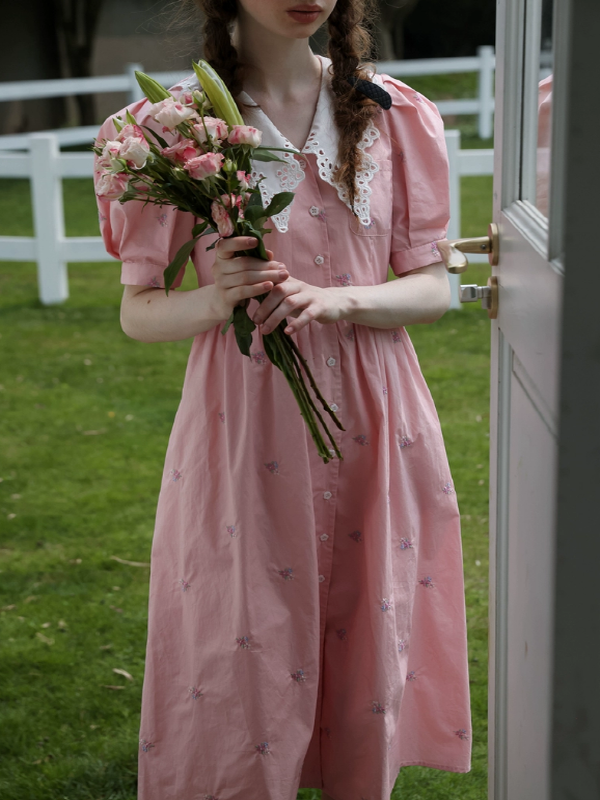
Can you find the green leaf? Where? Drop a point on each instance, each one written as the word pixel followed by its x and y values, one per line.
pixel 153 90
pixel 227 324
pixel 130 118
pixel 158 138
pixel 263 155
pixel 254 214
pixel 182 257
pixel 118 123
pixel 271 351
pixel 279 149
pixel 243 327
pixel 278 203
pixel 199 229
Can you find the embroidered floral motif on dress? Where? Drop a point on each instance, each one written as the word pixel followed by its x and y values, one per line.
pixel 176 475
pixel 345 279
pixel 162 220
pixel 184 585
pixel 385 390
pixel 405 442
pixel 401 645
pixel 378 708
pixel 196 693
pixel 263 748
pixel 328 732
pixel 360 439
pixel 406 544
pixel 321 215
pixel 154 283
pixel 146 745
pixel 210 797
pixel 396 337
pixel 273 467
pixel 411 676
pixel 222 417
pixel 286 574
pixel 448 489
pixel 298 676
pixel 418 98
pixel 427 582
pixel 350 335
pixel 434 249
pixel 243 642
pixel 356 535
pixel 259 357
pixel 232 531
pixel 462 734
pixel 385 604
pixel 342 634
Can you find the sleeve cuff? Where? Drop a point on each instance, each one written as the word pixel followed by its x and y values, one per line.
pixel 421 256
pixel 144 273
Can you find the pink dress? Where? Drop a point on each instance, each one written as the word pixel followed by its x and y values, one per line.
pixel 306 620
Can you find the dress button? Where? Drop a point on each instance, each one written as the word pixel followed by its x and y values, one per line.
pixel 319 260
pixel 330 361
pixel 324 537
pixel 321 578
pixel 327 495
pixel 331 452
pixel 313 211
pixel 302 163
pixel 334 407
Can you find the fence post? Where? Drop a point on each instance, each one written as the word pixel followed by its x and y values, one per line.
pixel 135 92
pixel 48 218
pixel 453 146
pixel 486 90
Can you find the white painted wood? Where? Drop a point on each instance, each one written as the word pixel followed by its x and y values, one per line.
pixel 526 341
pixel 48 219
pixel 453 147
pixel 486 90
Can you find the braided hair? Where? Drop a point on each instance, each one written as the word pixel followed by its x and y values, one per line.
pixel 350 43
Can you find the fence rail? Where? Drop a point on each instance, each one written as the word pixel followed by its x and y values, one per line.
pixel 482 105
pixel 45 166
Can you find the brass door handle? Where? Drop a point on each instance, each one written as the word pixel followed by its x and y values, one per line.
pixel 453 252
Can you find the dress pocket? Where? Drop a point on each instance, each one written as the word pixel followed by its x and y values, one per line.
pixel 380 201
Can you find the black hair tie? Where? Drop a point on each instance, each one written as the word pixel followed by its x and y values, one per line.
pixel 371 90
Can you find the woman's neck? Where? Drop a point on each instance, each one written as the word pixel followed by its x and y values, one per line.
pixel 281 67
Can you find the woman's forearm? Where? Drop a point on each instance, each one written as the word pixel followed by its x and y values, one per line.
pixel 418 297
pixel 149 315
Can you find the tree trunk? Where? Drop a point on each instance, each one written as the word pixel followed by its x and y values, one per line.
pixel 76 22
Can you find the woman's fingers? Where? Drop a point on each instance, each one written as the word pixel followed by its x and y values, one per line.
pixel 251 276
pixel 226 248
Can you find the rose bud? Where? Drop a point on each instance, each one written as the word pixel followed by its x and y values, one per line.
pixel 130 131
pixel 216 129
pixel 221 219
pixel 244 178
pixel 183 151
pixel 204 166
pixel 171 113
pixel 111 156
pixel 111 186
pixel 245 134
pixel 135 151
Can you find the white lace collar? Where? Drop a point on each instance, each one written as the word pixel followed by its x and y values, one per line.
pixel 323 141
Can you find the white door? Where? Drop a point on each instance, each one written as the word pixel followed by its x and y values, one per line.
pixel 531 63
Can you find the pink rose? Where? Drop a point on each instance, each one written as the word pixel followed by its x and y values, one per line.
pixel 245 134
pixel 222 219
pixel 183 151
pixel 186 98
pixel 215 127
pixel 135 151
pixel 130 131
pixel 110 186
pixel 204 166
pixel 111 154
pixel 243 178
pixel 170 112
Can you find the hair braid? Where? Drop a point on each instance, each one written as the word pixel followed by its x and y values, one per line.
pixel 218 47
pixel 350 44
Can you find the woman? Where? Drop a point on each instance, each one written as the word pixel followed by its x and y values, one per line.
pixel 306 620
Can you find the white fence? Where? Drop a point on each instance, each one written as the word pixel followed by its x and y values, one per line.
pixel 46 166
pixel 482 105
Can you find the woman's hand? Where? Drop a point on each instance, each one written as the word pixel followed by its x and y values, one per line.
pixel 294 298
pixel 238 278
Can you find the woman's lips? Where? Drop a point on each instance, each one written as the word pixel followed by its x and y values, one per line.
pixel 304 16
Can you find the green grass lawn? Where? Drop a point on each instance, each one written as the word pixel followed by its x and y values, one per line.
pixel 85 415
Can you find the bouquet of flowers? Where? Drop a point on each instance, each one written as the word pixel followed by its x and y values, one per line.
pixel 205 169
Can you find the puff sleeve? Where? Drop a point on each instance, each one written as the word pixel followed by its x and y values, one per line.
pixel 144 238
pixel 420 174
